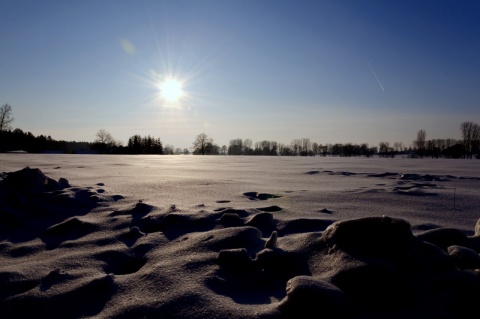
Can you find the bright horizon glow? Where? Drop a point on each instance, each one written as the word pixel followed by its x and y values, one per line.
pixel 171 90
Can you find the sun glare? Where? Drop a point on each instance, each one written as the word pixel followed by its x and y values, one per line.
pixel 171 90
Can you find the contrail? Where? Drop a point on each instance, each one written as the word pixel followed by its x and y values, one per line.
pixel 376 77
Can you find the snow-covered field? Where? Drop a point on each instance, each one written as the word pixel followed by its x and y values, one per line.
pixel 106 236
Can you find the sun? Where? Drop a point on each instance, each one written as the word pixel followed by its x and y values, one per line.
pixel 171 90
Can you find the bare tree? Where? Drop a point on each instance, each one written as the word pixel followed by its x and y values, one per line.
pixel 296 146
pixel 104 137
pixel 365 150
pixel 224 150
pixel 384 150
pixel 306 146
pixel 235 147
pixel 315 148
pixel 471 137
pixel 103 142
pixel 398 146
pixel 201 143
pixel 168 149
pixel 420 142
pixel 5 117
pixel 247 146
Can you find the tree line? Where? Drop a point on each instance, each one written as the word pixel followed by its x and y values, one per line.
pixel 435 148
pixel 26 141
pixel 103 144
pixel 467 147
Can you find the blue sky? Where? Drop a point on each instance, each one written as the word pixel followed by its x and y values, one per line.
pixel 332 71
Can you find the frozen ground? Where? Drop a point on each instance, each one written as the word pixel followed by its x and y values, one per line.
pixel 440 191
pixel 240 237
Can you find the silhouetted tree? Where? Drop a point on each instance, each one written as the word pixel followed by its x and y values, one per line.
pixel 384 150
pixel 364 150
pixel 336 149
pixel 247 147
pixel 296 146
pixel 134 144
pixel 151 145
pixel 315 148
pixel 420 143
pixel 348 150
pixel 398 147
pixel 20 140
pixel 103 142
pixel 104 137
pixel 202 144
pixel 168 149
pixel 471 137
pixel 266 148
pixel 433 148
pixel 235 147
pixel 305 147
pixel 454 151
pixel 224 150
pixel 323 149
pixel 6 118
pixel 284 150
pixel 212 149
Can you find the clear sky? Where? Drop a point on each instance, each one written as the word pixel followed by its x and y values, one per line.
pixel 332 71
